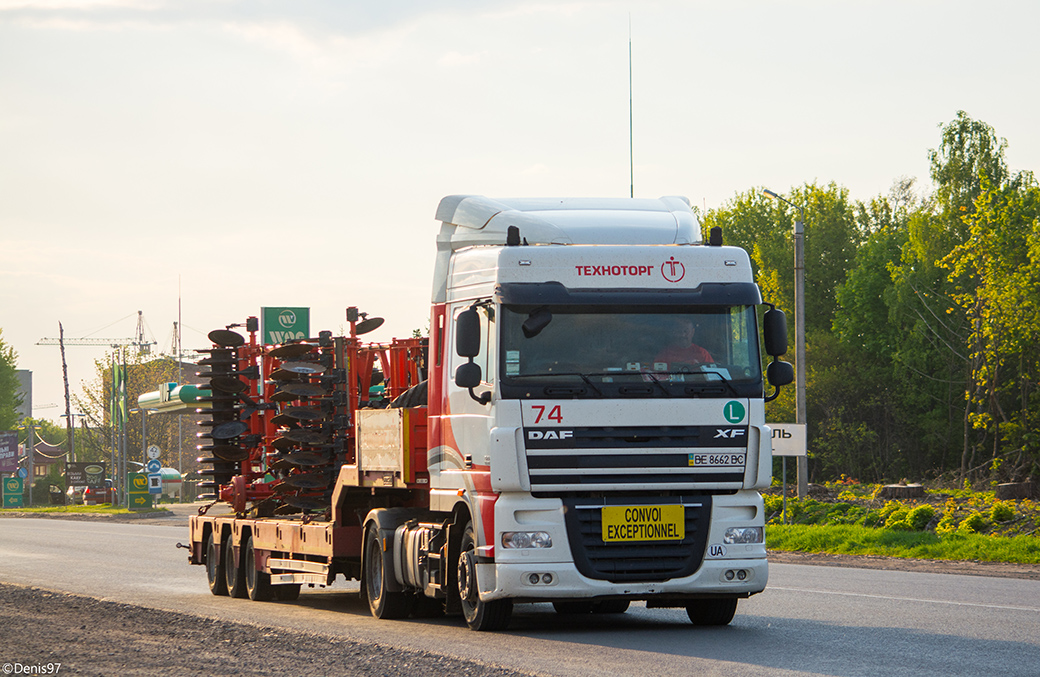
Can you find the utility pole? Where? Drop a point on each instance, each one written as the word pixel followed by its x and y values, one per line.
pixel 799 334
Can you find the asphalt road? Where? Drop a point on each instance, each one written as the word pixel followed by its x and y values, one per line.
pixel 810 621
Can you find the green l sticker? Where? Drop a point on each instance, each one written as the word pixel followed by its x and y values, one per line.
pixel 733 411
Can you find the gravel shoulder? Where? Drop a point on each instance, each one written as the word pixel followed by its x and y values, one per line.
pixel 40 629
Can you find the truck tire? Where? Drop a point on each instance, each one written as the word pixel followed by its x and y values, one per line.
pixel 382 602
pixel 479 615
pixel 712 611
pixel 233 572
pixel 215 567
pixel 258 583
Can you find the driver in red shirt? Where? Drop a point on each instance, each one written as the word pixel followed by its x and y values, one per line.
pixel 683 350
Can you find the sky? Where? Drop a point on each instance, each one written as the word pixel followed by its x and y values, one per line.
pixel 224 155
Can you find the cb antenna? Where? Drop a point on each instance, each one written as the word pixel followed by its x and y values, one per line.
pixel 631 161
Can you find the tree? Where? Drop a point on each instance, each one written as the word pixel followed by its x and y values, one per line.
pixel 998 272
pixel 10 400
pixel 173 434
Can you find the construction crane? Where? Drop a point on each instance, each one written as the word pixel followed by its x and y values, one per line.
pixel 138 340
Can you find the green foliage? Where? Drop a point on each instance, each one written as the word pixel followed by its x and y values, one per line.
pixel 919 517
pixel 9 398
pixel 972 524
pixel 1002 511
pixel 858 540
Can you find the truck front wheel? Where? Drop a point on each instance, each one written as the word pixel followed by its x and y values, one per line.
pixel 382 602
pixel 712 611
pixel 479 615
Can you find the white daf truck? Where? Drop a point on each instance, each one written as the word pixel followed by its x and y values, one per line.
pixel 593 429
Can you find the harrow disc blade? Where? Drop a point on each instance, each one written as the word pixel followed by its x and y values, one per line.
pixel 304 413
pixel 229 452
pixel 229 429
pixel 365 326
pixel 283 443
pixel 226 338
pixel 283 420
pixel 304 436
pixel 307 368
pixel 228 384
pixel 312 480
pixel 306 458
pixel 284 375
pixel 283 396
pixel 304 389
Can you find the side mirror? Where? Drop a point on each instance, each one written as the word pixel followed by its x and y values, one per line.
pixel 467 333
pixel 468 375
pixel 777 373
pixel 774 331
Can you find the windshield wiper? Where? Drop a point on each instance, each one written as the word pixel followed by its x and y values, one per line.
pixel 583 377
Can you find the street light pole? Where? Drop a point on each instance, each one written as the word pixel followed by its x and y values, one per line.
pixel 799 334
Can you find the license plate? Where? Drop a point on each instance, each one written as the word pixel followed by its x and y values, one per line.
pixel 631 523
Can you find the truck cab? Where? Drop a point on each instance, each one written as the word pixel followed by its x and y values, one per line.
pixel 596 405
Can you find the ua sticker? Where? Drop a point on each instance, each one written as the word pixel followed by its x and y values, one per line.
pixel 733 411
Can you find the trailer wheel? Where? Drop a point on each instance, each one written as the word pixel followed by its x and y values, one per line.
pixel 382 602
pixel 258 583
pixel 712 611
pixel 234 575
pixel 214 567
pixel 479 615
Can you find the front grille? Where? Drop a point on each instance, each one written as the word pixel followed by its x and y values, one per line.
pixel 640 561
pixel 634 458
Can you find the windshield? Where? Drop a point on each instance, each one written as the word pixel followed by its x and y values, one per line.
pixel 629 351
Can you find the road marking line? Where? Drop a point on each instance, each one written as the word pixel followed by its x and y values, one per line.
pixel 905 599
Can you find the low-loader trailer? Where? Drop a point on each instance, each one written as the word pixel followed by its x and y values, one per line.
pixel 585 426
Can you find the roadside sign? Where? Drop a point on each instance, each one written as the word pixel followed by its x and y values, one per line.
pixel 789 439
pixel 23 472
pixel 91 474
pixel 154 451
pixel 279 325
pixel 8 451
pixel 153 466
pixel 139 496
pixel 154 483
pixel 12 492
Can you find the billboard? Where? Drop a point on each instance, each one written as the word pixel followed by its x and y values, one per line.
pixel 88 474
pixel 8 452
pixel 279 325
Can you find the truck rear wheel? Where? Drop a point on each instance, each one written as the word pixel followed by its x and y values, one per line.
pixel 382 602
pixel 214 567
pixel 479 615
pixel 712 611
pixel 258 583
pixel 233 571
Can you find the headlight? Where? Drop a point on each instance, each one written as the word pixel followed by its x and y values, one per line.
pixel 742 535
pixel 526 539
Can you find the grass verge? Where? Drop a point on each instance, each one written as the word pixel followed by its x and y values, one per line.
pixel 82 509
pixel 851 539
